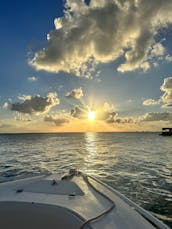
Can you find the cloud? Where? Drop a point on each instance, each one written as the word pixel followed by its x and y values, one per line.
pixel 56 119
pixel 167 89
pixel 164 116
pixel 167 105
pixel 75 93
pixel 167 84
pixel 80 112
pixel 35 104
pixel 25 97
pixel 168 58
pixel 148 117
pixel 150 102
pixel 158 50
pixel 6 105
pixel 32 79
pixel 110 116
pixel 102 32
pixel 106 116
pixel 105 113
pixel 123 120
pixel 166 98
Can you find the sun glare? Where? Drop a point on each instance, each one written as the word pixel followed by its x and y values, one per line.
pixel 91 115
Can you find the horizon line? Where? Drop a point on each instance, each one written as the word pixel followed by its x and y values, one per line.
pixel 75 132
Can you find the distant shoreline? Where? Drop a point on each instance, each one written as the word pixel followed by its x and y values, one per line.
pixel 78 132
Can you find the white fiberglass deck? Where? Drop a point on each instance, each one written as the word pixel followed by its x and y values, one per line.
pixel 48 202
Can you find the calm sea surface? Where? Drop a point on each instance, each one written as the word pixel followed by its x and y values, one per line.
pixel 139 165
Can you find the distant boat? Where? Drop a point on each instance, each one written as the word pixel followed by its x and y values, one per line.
pixel 166 131
pixel 75 201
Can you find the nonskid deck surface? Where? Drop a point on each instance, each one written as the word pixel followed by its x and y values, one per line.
pixel 80 199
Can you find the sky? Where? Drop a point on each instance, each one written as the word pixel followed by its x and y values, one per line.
pixel 85 66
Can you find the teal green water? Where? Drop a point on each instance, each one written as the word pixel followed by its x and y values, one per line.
pixel 139 165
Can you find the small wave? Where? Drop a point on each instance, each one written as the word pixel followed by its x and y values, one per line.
pixel 164 218
pixel 136 164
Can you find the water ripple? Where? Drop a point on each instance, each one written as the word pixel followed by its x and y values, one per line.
pixel 137 164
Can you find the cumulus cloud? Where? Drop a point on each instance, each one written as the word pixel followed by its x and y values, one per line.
pixel 158 50
pixel 56 119
pixel 35 104
pixel 32 78
pixel 166 98
pixel 167 89
pixel 150 102
pixel 105 113
pixel 102 32
pixel 107 116
pixel 80 112
pixel 75 93
pixel 167 84
pixel 110 116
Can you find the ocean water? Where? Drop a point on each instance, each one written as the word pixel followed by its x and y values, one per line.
pixel 139 165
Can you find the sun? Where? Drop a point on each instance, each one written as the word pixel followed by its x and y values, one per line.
pixel 91 115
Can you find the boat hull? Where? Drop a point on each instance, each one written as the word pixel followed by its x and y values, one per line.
pixel 82 200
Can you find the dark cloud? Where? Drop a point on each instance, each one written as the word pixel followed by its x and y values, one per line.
pixel 80 112
pixel 106 116
pixel 121 120
pixel 35 104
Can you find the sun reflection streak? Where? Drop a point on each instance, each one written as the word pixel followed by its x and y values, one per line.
pixel 91 153
pixel 90 139
pixel 98 156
